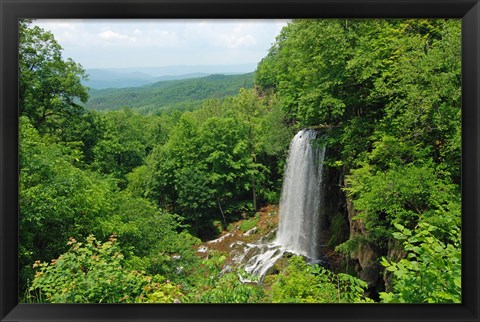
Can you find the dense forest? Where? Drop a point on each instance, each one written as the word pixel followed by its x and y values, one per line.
pixel 118 205
pixel 180 95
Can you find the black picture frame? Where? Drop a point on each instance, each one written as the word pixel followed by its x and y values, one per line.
pixel 12 10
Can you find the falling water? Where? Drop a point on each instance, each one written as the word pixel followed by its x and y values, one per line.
pixel 300 206
pixel 300 201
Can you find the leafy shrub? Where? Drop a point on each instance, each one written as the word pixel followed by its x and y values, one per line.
pixel 229 288
pixel 94 272
pixel 431 271
pixel 402 195
pixel 214 282
pixel 304 283
pixel 56 198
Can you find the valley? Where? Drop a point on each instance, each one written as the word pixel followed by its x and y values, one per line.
pixel 167 96
pixel 329 174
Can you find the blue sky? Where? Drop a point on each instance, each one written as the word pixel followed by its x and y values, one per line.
pixel 146 43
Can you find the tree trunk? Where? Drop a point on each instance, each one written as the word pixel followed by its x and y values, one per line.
pixel 254 194
pixel 223 215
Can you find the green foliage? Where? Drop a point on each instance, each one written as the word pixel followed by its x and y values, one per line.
pixel 351 245
pixel 48 85
pixel 248 224
pixel 122 145
pixel 403 195
pixel 229 288
pixel 354 73
pixel 156 238
pixel 94 272
pixel 299 284
pixel 306 67
pixel 213 282
pixel 304 283
pixel 56 198
pixel 390 92
pixel 183 95
pixel 431 271
pixel 213 162
pixel 387 90
pixel 216 151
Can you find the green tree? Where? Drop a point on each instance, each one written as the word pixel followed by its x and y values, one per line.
pixel 49 86
pixel 203 167
pixel 403 195
pixel 389 90
pixel 126 138
pixel 307 68
pixel 57 199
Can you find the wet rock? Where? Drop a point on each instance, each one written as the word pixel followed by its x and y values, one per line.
pixel 250 231
pixel 225 270
pixel 280 264
pixel 269 237
pixel 220 239
pixel 236 245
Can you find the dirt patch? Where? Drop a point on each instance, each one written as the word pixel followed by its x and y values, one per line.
pixel 265 220
pixel 252 229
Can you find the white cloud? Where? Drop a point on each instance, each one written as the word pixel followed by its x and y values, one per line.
pixel 161 38
pixel 236 41
pixel 59 25
pixel 64 31
pixel 109 37
pixel 121 43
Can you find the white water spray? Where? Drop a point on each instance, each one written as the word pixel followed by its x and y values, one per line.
pixel 300 206
pixel 301 197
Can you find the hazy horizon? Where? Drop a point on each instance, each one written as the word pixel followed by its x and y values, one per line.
pixel 123 43
pixel 100 78
pixel 180 69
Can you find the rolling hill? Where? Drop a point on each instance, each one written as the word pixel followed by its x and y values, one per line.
pixel 186 94
pixel 102 78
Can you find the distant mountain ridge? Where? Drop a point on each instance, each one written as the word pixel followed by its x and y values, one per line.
pixel 102 78
pixel 184 94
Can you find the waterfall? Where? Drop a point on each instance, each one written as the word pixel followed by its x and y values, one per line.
pixel 299 211
pixel 300 207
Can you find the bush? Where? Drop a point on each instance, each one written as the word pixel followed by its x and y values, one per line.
pixel 431 271
pixel 94 272
pixel 229 288
pixel 304 283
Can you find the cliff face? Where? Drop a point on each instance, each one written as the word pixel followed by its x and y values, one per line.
pixel 335 216
pixel 340 225
pixel 366 257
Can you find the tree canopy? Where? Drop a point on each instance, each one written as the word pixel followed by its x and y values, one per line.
pixel 50 87
pixel 114 205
